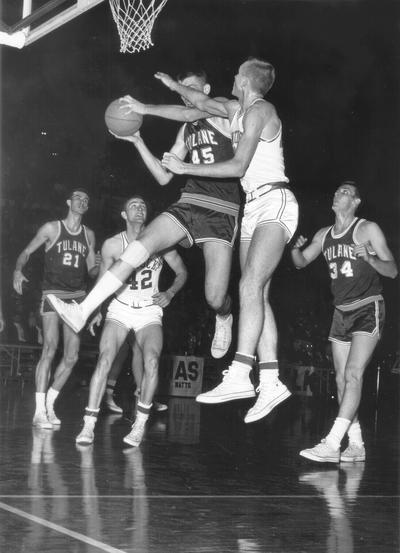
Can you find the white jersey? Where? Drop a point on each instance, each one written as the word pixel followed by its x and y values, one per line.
pixel 267 164
pixel 143 283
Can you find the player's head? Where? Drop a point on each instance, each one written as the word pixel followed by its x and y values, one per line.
pixel 78 200
pixel 135 209
pixel 196 79
pixel 256 75
pixel 347 197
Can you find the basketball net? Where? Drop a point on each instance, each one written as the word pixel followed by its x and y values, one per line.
pixel 135 20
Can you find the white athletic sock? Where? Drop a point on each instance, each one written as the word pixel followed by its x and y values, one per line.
pixel 337 432
pixel 107 285
pixel 269 371
pixel 51 396
pixel 354 433
pixel 240 370
pixel 40 398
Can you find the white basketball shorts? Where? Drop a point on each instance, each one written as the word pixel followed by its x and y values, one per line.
pixel 134 318
pixel 276 206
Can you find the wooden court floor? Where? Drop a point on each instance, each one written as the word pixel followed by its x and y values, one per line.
pixel 202 481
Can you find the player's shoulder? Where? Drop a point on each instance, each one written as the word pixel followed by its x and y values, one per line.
pixel 366 227
pixel 321 233
pixel 50 227
pixel 113 243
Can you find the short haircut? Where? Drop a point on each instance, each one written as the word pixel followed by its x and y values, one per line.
pixel 78 189
pixel 200 73
pixel 137 197
pixel 260 73
pixel 352 183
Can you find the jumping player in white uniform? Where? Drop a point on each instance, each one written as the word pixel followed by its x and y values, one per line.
pixel 356 253
pixel 206 214
pixel 269 221
pixel 138 306
pixel 69 256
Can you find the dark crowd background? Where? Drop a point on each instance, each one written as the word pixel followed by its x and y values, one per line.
pixel 337 92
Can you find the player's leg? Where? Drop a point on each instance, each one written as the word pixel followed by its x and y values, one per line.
pixel 355 450
pixel 51 334
pixel 63 370
pixel 218 261
pixel 361 350
pixel 150 341
pixel 163 232
pixel 111 340
pixel 271 391
pixel 138 371
pixel 113 375
pixel 259 259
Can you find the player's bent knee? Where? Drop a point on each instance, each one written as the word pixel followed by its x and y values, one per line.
pixel 49 350
pixel 135 254
pixel 70 360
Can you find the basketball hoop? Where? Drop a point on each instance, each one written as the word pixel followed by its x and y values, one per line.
pixel 135 20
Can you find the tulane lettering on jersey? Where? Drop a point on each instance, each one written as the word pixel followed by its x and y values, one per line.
pixel 352 278
pixel 202 137
pixel 71 246
pixel 65 267
pixel 339 250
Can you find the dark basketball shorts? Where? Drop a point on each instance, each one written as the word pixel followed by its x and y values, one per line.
pixel 203 225
pixel 367 320
pixel 46 307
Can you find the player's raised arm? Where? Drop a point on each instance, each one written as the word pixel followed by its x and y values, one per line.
pixel 301 256
pixel 255 121
pixel 44 235
pixel 173 112
pixel 372 238
pixel 212 106
pixel 153 164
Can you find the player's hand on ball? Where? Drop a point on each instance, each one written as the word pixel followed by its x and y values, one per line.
pixel 95 322
pixel 134 138
pixel 132 105
pixel 173 163
pixel 166 80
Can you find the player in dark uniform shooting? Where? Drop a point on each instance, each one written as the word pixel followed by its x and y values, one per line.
pixel 206 213
pixel 356 253
pixel 69 257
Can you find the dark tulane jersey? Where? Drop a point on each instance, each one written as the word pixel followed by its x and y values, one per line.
pixel 352 278
pixel 65 261
pixel 209 141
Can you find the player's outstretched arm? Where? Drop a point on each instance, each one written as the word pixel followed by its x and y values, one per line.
pixel 372 239
pixel 176 263
pixel 302 256
pixel 212 106
pixel 256 119
pixel 175 113
pixel 44 235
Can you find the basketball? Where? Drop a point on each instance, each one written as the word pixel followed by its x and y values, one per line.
pixel 120 121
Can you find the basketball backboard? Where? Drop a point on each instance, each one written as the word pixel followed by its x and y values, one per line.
pixel 24 22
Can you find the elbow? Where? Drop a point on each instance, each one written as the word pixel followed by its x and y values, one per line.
pixel 395 272
pixel 239 169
